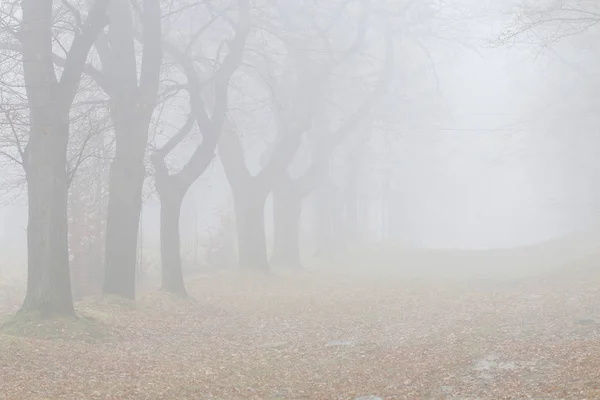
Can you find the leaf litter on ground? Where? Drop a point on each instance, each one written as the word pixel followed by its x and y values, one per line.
pixel 322 336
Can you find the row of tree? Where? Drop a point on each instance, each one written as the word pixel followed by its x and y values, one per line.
pixel 134 82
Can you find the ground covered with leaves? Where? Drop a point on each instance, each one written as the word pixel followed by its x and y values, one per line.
pixel 319 336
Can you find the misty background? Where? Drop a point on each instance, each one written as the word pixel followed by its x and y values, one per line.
pixel 508 159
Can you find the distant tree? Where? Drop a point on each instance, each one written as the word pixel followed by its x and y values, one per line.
pixel 350 115
pixel 294 72
pixel 290 192
pixel 172 187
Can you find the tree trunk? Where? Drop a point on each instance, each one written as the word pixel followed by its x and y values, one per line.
pixel 351 214
pixel 172 273
pixel 337 221
pixel 323 222
pixel 132 105
pixel 287 207
pixel 250 223
pixel 48 280
pixel 122 223
pixel 45 158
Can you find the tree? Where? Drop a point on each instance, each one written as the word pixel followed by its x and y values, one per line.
pixel 172 188
pixel 336 205
pixel 132 105
pixel 45 158
pixel 290 192
pixel 297 90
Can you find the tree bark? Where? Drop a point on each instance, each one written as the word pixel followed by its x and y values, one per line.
pixel 48 280
pixel 249 197
pixel 172 272
pixel 287 206
pixel 323 222
pixel 122 223
pixel 132 105
pixel 250 224
pixel 351 212
pixel 45 158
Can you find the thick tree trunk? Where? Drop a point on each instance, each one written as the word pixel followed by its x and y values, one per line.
pixel 329 230
pixel 45 158
pixel 337 221
pixel 287 207
pixel 323 223
pixel 351 214
pixel 48 280
pixel 123 219
pixel 172 273
pixel 250 223
pixel 132 105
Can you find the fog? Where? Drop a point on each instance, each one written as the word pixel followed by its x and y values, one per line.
pixel 299 199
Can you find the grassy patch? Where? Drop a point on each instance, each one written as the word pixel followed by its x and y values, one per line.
pixel 85 328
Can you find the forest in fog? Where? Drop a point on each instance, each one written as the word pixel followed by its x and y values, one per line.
pixel 278 171
pixel 106 108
